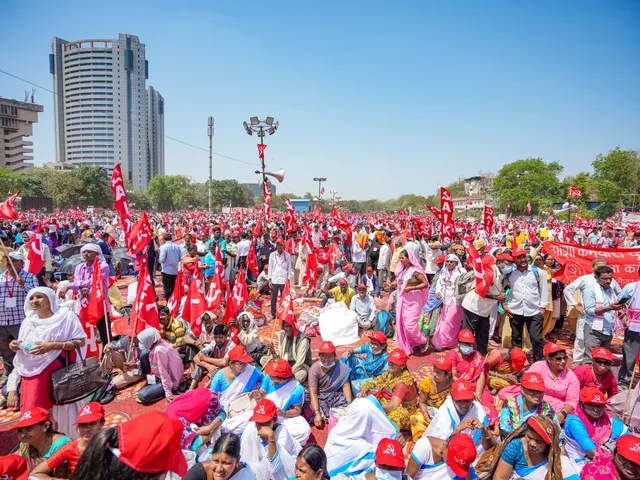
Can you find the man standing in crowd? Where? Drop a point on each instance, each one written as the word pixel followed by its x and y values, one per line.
pixel 279 271
pixel 169 259
pixel 631 345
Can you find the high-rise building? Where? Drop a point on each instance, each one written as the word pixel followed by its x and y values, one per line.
pixel 16 120
pixel 101 106
pixel 155 130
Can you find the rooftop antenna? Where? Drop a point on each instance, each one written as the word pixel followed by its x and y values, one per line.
pixel 33 95
pixel 26 95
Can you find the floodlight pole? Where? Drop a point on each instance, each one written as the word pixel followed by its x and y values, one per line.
pixel 210 164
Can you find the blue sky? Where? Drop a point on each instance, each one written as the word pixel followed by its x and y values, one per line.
pixel 381 97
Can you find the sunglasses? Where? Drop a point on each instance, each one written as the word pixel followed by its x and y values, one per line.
pixel 559 359
pixel 602 362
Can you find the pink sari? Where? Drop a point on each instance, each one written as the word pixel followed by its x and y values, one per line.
pixel 409 307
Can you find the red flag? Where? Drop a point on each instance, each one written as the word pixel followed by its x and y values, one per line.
pixel 311 270
pixel 35 257
pixel 529 207
pixel 482 269
pixel 338 219
pixel 7 210
pixel 488 220
pixel 219 265
pixel 252 260
pixel 322 191
pixel 575 192
pixel 258 227
pixel 173 302
pixel 238 298
pixel 95 309
pixel 195 306
pixel 446 213
pixel 214 295
pixel 141 234
pixel 120 200
pixel 261 148
pixel 285 309
pixel 267 201
pixel 469 202
pixel 436 211
pixel 334 255
pixel 144 307
pixel 89 328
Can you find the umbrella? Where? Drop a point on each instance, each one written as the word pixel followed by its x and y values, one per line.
pixel 88 240
pixel 69 265
pixel 67 250
pixel 119 255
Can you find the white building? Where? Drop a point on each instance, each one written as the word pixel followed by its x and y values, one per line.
pixel 155 129
pixel 101 106
pixel 16 122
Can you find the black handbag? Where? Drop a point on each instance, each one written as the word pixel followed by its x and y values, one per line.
pixel 78 380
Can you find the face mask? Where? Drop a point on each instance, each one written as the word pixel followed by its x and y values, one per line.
pixel 327 366
pixel 507 269
pixel 466 349
pixel 382 474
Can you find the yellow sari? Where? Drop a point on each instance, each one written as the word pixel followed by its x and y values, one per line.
pixel 382 387
pixel 419 424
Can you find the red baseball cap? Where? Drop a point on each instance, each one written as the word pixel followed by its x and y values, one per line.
pixel 592 396
pixel 504 256
pixel 90 413
pixel 32 417
pixel 518 358
pixel 533 381
pixel 264 411
pixel 378 337
pixel 443 363
pixel 343 281
pixel 465 336
pixel 629 447
pixel 150 443
pixel 369 268
pixel 440 259
pixel 551 347
pixel 518 252
pixel 14 467
pixel 239 354
pixel 389 453
pixel 280 241
pixel 398 357
pixel 279 368
pixel 601 353
pixel 327 347
pixel 462 390
pixel 461 454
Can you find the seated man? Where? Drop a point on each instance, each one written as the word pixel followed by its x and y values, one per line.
pixel 364 307
pixel 213 356
pixel 342 293
pixel 295 348
pixel 262 282
pixel 371 281
pixel 173 332
pixel 205 337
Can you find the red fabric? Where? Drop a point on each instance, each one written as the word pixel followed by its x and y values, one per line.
pixel 36 391
pixel 89 328
pixel 120 201
pixel 214 295
pixel 285 309
pixel 145 311
pixel 446 212
pixel 252 260
pixel 36 253
pixel 488 220
pixel 7 210
pixel 586 377
pixel 483 272
pixel 195 305
pixel 141 234
pixel 191 406
pixel 173 303
pixel 404 392
pixel 68 453
pixel 95 309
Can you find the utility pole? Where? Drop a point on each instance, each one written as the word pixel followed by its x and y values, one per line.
pixel 210 164
pixel 319 180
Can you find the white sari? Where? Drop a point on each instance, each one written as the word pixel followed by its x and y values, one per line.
pixel 285 397
pixel 254 454
pixel 240 385
pixel 423 455
pixel 539 472
pixel 352 443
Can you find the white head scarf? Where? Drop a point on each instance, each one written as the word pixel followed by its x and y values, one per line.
pixel 148 337
pixel 92 247
pixel 62 326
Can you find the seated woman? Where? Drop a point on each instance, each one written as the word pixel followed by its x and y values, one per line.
pixel 503 366
pixel 280 386
pixel 589 427
pixel 389 461
pixel 373 363
pixel 516 410
pixel 624 464
pixel 433 390
pixel 437 459
pixel 89 423
pixel 165 366
pixel 267 446
pixel 532 451
pixel 328 384
pixel 225 462
pixel 311 463
pixel 249 337
pixel 38 439
pixel 469 364
pixel 190 264
pixel 460 413
pixel 598 374
pixel 234 381
pixel 395 389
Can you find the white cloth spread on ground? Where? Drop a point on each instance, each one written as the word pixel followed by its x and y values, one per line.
pixel 338 324
pixel 254 453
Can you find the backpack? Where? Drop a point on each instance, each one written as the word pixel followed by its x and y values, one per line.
pixel 384 322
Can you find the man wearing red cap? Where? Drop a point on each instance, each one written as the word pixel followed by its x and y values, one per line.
pixel 436 459
pixel 342 293
pixel 364 307
pixel 598 374
pixel 389 461
pixel 267 447
pixel 279 272
pixel 626 461
pixel 527 303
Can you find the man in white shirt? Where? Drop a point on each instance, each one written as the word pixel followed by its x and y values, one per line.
pixel 432 252
pixel 243 249
pixel 364 307
pixel 384 260
pixel 279 272
pixel 527 303
pixel 359 257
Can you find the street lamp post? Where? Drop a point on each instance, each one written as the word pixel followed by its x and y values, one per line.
pixel 210 164
pixel 319 180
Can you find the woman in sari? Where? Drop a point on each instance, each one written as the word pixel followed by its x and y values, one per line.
pixel 531 452
pixel 504 366
pixel 373 364
pixel 412 291
pixel 434 390
pixel 190 264
pixel 469 364
pixel 623 464
pixel 451 316
pixel 328 384
pixel 395 389
pixel 432 309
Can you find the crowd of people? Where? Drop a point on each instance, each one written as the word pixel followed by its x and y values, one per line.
pixel 506 396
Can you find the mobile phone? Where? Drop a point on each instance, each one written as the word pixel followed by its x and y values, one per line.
pixel 622 301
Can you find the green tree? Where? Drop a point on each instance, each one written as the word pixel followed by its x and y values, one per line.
pixel 457 188
pixel 171 192
pixel 616 180
pixel 530 179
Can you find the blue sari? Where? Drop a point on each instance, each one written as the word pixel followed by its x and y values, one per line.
pixel 366 368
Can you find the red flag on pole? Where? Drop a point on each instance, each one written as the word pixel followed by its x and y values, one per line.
pixel 575 192
pixel 173 302
pixel 488 220
pixel 219 264
pixel 436 211
pixel 311 271
pixel 95 309
pixel 7 210
pixel 35 257
pixel 446 213
pixel 214 295
pixel 141 234
pixel 482 269
pixel 285 309
pixel 195 306
pixel 334 255
pixel 252 260
pixel 120 201
pixel 261 148
pixel 145 311
pixel 89 328
pixel 322 191
pixel 267 201
pixel 238 298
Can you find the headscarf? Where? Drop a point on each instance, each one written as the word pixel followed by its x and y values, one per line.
pixel 62 326
pixel 488 462
pixel 92 247
pixel 600 433
pixel 250 338
pixel 414 267
pixel 148 337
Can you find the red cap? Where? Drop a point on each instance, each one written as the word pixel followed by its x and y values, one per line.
pixel 443 363
pixel 465 336
pixel 32 417
pixel 533 381
pixel 539 430
pixel 343 281
pixel 440 259
pixel 266 266
pixel 518 252
pixel 462 390
pixel 280 241
pixel 592 396
pixel 398 357
pixel 327 347
pixel 551 347
pixel 504 256
pixel 389 453
pixel 378 337
pixel 629 447
pixel 362 286
pixel 150 443
pixel 264 411
pixel 461 454
pixel 369 268
pixel 279 369
pixel 601 353
pixel 90 413
pixel 518 358
pixel 14 467
pixel 239 354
